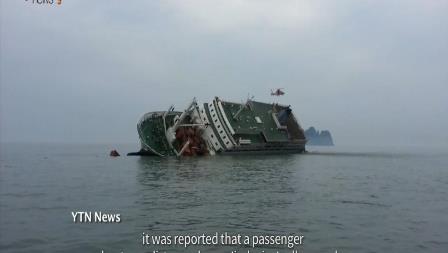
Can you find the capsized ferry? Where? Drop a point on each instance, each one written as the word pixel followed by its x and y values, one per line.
pixel 221 127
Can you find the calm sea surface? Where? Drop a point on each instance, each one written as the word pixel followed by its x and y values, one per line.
pixel 347 200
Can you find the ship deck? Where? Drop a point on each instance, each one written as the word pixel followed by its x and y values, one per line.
pixel 246 126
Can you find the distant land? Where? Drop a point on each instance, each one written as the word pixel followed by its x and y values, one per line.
pixel 318 138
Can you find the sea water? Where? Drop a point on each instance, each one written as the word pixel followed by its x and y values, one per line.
pixel 349 200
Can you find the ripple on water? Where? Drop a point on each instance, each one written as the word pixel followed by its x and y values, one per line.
pixel 353 202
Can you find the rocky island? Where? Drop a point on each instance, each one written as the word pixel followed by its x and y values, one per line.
pixel 318 138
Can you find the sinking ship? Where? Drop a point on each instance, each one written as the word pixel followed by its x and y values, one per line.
pixel 221 127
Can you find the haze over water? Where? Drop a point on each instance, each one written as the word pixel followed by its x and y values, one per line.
pixel 339 199
pixel 86 71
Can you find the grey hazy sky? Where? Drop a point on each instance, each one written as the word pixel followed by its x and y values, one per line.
pixel 87 70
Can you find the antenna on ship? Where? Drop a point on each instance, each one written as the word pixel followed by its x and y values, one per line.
pixel 248 104
pixel 249 101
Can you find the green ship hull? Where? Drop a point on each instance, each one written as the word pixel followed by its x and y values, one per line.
pixel 221 127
